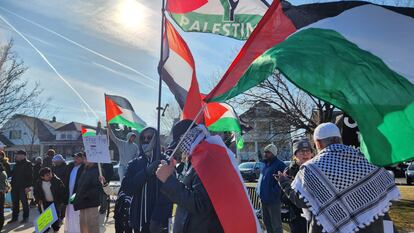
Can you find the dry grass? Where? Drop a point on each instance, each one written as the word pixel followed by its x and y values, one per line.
pixel 402 212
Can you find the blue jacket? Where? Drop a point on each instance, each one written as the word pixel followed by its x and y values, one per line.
pixel 143 189
pixel 268 188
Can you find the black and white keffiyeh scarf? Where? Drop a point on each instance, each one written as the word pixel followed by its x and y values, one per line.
pixel 343 191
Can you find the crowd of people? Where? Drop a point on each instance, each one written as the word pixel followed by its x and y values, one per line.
pixel 330 189
pixel 74 188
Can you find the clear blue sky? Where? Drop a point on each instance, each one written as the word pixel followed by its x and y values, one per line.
pixel 126 31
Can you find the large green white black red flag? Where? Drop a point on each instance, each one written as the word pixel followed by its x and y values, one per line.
pixel 232 18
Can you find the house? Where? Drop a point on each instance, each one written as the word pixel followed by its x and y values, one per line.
pixel 37 135
pixel 267 127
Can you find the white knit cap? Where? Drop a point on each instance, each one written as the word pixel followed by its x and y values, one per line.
pixel 271 148
pixel 326 130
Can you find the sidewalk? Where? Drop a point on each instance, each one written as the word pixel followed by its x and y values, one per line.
pixel 107 225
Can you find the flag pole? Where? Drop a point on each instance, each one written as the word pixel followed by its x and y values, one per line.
pixel 159 108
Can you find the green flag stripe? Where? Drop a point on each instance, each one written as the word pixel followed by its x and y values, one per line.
pixel 120 120
pixel 328 66
pixel 87 134
pixel 225 124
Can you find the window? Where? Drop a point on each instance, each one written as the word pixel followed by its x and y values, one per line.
pixel 15 134
pixel 63 136
pixel 69 136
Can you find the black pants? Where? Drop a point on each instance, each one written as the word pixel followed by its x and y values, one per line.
pixel 104 202
pixel 298 225
pixel 55 225
pixel 18 195
pixel 1 210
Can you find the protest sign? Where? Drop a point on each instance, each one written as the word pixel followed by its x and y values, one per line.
pixel 46 219
pixel 97 149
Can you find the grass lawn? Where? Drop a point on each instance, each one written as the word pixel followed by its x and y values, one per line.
pixel 402 212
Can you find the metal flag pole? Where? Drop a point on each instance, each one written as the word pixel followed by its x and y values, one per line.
pixel 159 108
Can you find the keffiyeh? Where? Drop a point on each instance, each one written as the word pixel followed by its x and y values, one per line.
pixel 192 138
pixel 343 190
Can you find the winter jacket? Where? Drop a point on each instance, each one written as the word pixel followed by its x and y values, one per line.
pixel 22 175
pixel 57 187
pixel 268 188
pixel 6 166
pixel 36 169
pixel 293 211
pixel 108 171
pixel 143 188
pixel 195 212
pixel 60 171
pixel 313 227
pixel 89 189
pixel 127 151
pixel 69 169
pixel 47 162
pixel 3 182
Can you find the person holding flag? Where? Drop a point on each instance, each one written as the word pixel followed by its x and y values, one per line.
pixel 149 210
pixel 211 187
pixel 120 111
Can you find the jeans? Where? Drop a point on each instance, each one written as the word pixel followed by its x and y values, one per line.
pixel 122 169
pixel 272 218
pixel 18 195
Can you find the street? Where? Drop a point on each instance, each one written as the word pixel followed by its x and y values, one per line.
pixel 107 225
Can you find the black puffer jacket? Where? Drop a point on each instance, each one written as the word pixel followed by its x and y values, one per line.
pixel 60 171
pixel 56 187
pixel 195 212
pixel 293 211
pixel 22 175
pixel 89 189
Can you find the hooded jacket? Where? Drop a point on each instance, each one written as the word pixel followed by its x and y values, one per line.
pixel 142 187
pixel 127 151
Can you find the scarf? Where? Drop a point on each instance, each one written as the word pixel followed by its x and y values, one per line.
pixel 343 191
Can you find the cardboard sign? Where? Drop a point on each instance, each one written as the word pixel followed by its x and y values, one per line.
pixel 97 149
pixel 46 219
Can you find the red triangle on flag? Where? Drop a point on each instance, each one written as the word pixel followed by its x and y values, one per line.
pixel 112 109
pixel 213 112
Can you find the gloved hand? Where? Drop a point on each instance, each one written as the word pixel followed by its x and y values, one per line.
pixel 152 168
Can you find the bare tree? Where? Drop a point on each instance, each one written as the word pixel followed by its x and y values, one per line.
pixel 37 109
pixel 15 93
pixel 299 110
pixel 169 116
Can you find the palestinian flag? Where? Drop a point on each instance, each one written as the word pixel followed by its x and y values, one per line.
pixel 357 56
pixel 178 72
pixel 86 132
pixel 221 117
pixel 232 18
pixel 216 166
pixel 120 111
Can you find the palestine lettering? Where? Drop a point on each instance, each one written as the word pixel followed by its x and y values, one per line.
pixel 234 29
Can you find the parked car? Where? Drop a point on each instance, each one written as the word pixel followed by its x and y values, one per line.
pixel 250 171
pixel 409 173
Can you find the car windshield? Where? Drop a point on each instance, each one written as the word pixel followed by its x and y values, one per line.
pixel 411 167
pixel 246 166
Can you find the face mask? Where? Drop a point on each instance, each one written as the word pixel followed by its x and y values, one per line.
pixel 145 147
